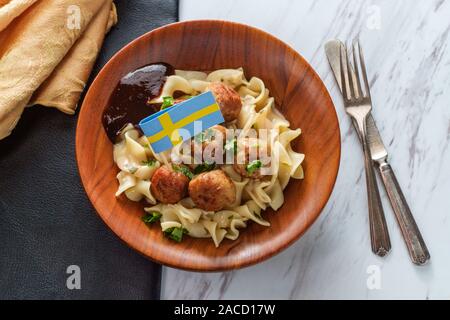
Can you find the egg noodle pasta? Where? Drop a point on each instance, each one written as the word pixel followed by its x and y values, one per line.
pixel 254 193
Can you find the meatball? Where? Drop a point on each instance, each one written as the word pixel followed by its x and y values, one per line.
pixel 215 133
pixel 219 130
pixel 228 100
pixel 212 191
pixel 251 168
pixel 168 186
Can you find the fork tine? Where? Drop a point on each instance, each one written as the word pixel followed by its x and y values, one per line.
pixel 350 75
pixel 344 73
pixel 356 79
pixel 363 69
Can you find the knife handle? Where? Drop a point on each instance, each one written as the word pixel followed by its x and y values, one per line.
pixel 417 248
pixel 379 234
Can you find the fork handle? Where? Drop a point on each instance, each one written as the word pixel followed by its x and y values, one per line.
pixel 379 234
pixel 417 248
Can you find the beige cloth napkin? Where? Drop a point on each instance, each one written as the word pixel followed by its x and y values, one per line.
pixel 63 88
pixel 42 59
pixel 10 9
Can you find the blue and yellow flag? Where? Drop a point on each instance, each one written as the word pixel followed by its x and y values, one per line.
pixel 182 121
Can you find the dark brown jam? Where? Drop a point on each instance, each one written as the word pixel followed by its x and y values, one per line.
pixel 129 101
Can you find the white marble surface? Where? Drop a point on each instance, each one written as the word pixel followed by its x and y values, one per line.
pixel 407 47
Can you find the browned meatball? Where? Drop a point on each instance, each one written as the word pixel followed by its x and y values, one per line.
pixel 219 130
pixel 169 186
pixel 260 158
pixel 215 133
pixel 228 100
pixel 212 191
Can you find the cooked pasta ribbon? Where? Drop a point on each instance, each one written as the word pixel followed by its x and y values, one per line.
pixel 137 161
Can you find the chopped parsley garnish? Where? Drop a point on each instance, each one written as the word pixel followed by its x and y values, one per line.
pixel 175 233
pixel 199 138
pixel 151 217
pixel 149 163
pixel 253 166
pixel 231 145
pixel 167 102
pixel 204 136
pixel 204 167
pixel 184 170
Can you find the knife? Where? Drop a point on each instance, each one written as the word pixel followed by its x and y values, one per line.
pixel 415 244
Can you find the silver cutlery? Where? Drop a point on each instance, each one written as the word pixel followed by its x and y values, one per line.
pixel 358 105
pixel 415 244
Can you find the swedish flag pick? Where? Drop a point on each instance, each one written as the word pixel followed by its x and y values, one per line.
pixel 163 129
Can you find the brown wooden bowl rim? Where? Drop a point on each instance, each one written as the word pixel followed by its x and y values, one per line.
pixel 251 259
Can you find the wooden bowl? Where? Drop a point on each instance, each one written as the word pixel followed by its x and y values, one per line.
pixel 301 97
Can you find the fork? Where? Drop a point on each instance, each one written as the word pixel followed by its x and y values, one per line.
pixel 358 105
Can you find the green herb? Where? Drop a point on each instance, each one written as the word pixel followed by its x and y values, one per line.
pixel 167 102
pixel 149 163
pixel 151 217
pixel 175 233
pixel 204 167
pixel 209 133
pixel 184 170
pixel 204 136
pixel 199 138
pixel 147 146
pixel 231 145
pixel 253 166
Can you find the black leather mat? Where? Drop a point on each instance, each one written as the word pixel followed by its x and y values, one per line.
pixel 46 221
